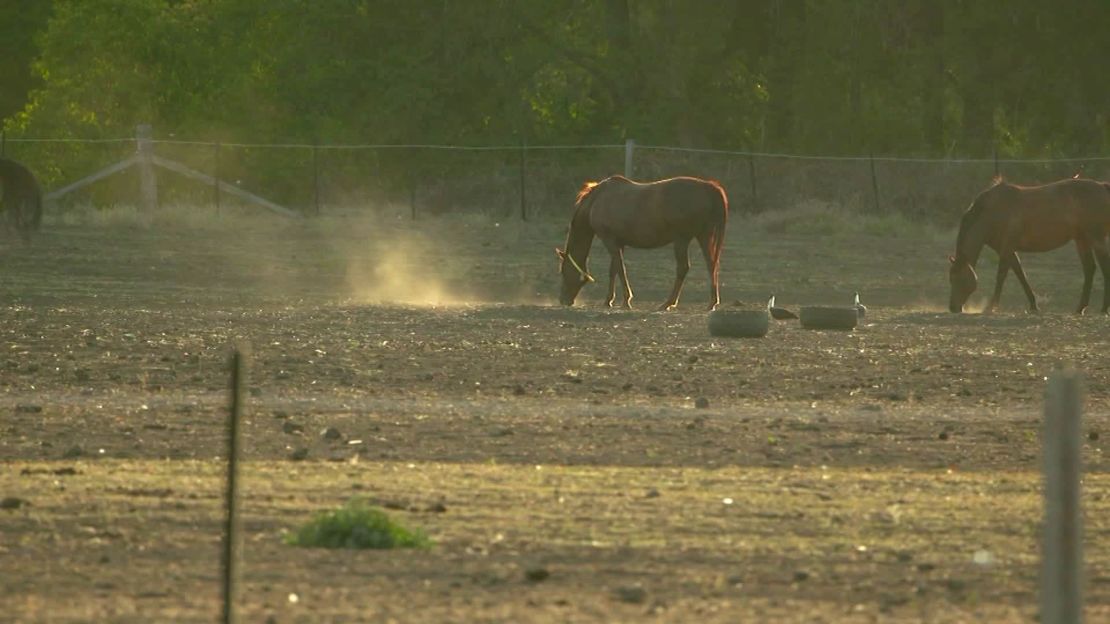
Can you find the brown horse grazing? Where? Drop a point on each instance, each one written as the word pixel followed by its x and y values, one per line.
pixel 623 213
pixel 1009 219
pixel 20 197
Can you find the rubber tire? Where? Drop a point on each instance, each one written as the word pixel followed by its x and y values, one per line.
pixel 739 323
pixel 822 317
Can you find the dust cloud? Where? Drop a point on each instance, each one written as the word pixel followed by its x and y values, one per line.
pixel 390 276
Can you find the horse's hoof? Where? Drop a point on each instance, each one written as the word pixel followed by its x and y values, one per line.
pixel 666 307
pixel 1081 311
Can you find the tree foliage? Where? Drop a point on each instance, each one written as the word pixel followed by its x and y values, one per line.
pixel 920 77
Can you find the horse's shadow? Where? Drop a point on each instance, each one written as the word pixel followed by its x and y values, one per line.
pixel 948 319
pixel 552 313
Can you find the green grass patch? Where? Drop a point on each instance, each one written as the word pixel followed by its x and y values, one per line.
pixel 356 525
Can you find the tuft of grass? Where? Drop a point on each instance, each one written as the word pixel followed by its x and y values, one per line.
pixel 168 216
pixel 356 525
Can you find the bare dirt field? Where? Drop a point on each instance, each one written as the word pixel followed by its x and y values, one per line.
pixel 887 474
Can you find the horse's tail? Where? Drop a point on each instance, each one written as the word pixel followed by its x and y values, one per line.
pixel 716 238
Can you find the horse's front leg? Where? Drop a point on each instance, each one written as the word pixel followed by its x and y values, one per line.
pixel 682 267
pixel 1015 264
pixel 617 269
pixel 1003 268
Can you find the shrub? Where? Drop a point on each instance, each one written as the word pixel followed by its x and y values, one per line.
pixel 356 525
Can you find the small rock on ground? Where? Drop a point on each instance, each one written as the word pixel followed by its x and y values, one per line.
pixel 12 502
pixel 632 594
pixel 535 574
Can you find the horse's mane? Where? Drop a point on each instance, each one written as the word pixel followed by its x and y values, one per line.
pixel 584 191
pixel 590 185
pixel 973 212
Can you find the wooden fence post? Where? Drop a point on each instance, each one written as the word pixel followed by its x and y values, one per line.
pixel 231 529
pixel 148 183
pixel 629 165
pixel 1062 550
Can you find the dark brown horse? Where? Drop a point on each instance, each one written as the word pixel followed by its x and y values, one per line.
pixel 623 213
pixel 1009 218
pixel 20 197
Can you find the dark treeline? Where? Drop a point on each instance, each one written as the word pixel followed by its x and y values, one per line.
pixel 890 77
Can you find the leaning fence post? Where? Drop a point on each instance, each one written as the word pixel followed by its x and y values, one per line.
pixel 148 184
pixel 231 529
pixel 996 169
pixel 874 182
pixel 1062 550
pixel 629 149
pixel 523 198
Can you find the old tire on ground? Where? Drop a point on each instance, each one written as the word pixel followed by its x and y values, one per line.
pixel 739 323
pixel 822 317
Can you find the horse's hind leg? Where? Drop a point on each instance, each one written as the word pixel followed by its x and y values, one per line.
pixel 1087 258
pixel 1102 254
pixel 714 271
pixel 1000 279
pixel 1015 264
pixel 682 267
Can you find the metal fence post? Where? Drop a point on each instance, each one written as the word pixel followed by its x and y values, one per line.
pixel 316 177
pixel 874 182
pixel 1062 550
pixel 216 178
pixel 751 175
pixel 629 149
pixel 523 198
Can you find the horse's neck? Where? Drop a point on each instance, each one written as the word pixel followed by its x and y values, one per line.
pixel 581 236
pixel 970 242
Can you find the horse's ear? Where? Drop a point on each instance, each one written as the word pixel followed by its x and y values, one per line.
pixel 560 253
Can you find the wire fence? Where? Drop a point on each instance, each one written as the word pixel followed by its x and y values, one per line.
pixel 530 181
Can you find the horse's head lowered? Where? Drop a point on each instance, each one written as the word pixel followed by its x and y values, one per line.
pixel 963 280
pixel 574 277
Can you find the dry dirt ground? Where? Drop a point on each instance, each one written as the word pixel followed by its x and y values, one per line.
pixel 883 475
